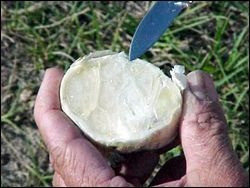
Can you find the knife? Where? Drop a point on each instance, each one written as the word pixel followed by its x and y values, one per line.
pixel 153 25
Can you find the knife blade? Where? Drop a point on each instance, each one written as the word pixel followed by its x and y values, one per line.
pixel 153 25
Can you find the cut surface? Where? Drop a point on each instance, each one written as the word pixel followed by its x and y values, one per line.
pixel 121 103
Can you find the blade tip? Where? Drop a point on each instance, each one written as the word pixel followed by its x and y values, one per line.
pixel 132 56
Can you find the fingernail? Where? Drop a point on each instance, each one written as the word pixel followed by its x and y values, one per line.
pixel 201 85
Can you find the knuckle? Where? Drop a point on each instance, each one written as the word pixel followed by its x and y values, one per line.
pixel 211 130
pixel 56 155
pixel 210 121
pixel 212 133
pixel 61 157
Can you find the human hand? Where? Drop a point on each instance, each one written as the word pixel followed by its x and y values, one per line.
pixel 209 158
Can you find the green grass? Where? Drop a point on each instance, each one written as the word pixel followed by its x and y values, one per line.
pixel 212 36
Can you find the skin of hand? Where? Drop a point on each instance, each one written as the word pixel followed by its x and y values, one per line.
pixel 208 159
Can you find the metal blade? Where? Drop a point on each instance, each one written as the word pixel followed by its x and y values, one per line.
pixel 153 25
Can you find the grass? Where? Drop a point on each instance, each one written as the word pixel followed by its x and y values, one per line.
pixel 212 36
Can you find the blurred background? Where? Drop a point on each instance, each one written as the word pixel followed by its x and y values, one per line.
pixel 212 36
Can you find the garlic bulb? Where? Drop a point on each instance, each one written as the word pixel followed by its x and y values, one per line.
pixel 127 105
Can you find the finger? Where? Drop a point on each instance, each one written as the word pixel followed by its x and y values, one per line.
pixel 203 130
pixel 172 170
pixel 48 94
pixel 138 166
pixel 202 120
pixel 152 160
pixel 58 181
pixel 53 124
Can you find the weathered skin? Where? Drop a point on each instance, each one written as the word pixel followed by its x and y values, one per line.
pixel 209 158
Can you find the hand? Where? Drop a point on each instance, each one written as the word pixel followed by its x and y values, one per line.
pixel 209 158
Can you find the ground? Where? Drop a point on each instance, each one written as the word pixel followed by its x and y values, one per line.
pixel 211 36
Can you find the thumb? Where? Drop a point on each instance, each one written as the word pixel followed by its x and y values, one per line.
pixel 209 154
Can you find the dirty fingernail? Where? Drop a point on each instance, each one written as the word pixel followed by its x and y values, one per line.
pixel 201 85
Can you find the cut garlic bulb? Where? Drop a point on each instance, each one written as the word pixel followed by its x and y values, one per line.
pixel 127 105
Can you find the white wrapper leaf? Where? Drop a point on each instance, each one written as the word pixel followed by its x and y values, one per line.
pixel 178 76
